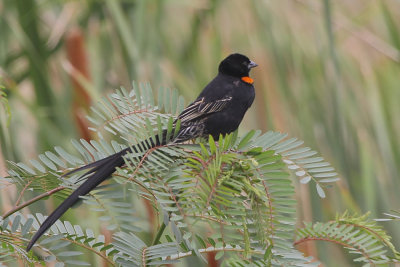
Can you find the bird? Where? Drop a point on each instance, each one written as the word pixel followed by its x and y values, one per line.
pixel 218 110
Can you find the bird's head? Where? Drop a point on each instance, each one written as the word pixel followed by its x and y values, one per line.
pixel 236 65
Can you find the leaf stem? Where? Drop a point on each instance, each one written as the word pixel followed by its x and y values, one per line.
pixel 159 234
pixel 27 203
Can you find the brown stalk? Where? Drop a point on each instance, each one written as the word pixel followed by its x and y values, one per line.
pixel 27 203
pixel 77 56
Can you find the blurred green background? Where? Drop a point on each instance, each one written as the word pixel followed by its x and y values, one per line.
pixel 328 74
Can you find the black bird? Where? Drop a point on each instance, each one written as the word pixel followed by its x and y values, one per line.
pixel 218 109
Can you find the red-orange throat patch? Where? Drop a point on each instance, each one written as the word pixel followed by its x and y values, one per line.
pixel 248 80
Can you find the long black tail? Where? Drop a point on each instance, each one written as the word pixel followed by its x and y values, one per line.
pixel 101 169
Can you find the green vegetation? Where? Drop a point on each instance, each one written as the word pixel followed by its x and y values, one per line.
pixel 328 74
pixel 231 200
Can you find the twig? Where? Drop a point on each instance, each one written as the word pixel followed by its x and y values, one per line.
pixel 159 234
pixel 23 191
pixel 27 203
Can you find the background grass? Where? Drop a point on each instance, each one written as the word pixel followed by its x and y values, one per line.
pixel 328 73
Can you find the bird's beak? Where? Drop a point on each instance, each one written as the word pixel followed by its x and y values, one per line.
pixel 252 64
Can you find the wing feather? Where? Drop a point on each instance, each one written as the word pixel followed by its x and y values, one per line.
pixel 201 108
pixel 193 117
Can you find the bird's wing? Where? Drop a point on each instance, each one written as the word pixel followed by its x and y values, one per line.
pixel 202 108
pixel 193 116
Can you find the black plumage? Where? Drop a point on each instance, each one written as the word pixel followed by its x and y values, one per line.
pixel 218 109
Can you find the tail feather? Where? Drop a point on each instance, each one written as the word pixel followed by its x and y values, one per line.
pixel 99 176
pixel 102 169
pixel 96 163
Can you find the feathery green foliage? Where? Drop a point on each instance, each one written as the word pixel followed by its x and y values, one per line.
pixel 234 196
pixel 394 215
pixel 358 234
pixel 16 229
pixel 328 74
